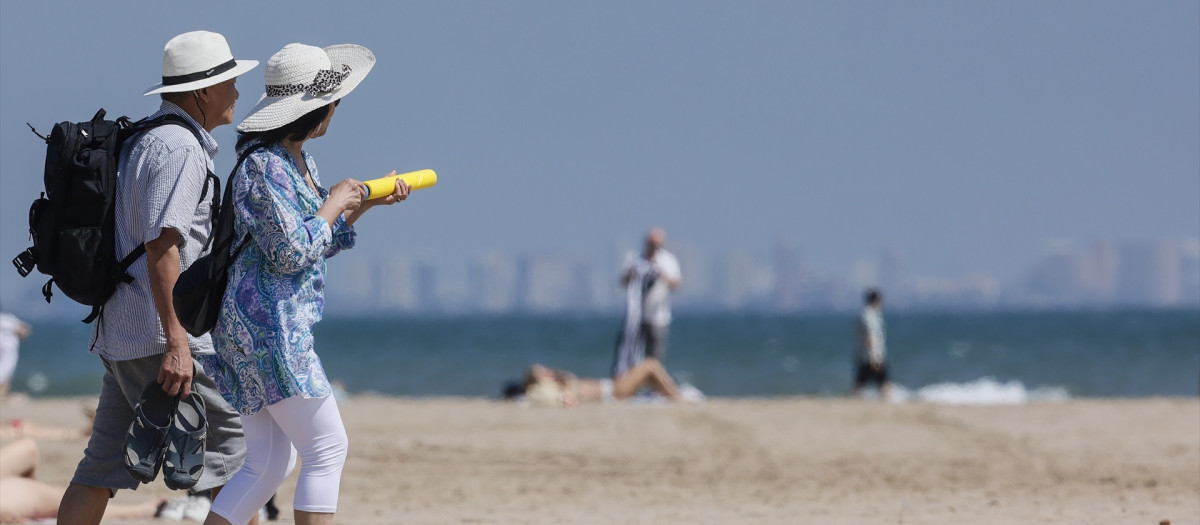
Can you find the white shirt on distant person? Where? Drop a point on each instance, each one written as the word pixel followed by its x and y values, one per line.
pixel 656 303
pixel 871 328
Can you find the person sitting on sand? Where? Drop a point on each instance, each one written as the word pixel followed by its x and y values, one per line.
pixel 26 498
pixel 547 386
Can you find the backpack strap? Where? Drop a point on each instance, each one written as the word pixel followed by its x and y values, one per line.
pixel 251 148
pixel 128 130
pixel 147 124
pixel 171 118
pixel 122 274
pixel 214 208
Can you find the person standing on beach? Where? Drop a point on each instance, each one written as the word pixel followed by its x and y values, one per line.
pixel 872 348
pixel 12 331
pixel 266 365
pixel 649 279
pixel 139 340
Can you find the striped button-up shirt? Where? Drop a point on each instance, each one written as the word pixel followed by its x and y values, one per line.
pixel 162 174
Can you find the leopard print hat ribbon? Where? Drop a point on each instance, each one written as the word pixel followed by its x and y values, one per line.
pixel 325 81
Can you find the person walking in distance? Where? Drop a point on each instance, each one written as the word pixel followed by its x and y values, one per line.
pixel 872 347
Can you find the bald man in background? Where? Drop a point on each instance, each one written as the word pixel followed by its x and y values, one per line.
pixel 649 279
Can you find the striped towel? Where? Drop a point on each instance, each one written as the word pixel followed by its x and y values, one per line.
pixel 631 346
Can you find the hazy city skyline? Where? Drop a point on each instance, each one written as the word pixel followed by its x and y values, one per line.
pixel 963 137
pixel 1071 274
pixel 1092 273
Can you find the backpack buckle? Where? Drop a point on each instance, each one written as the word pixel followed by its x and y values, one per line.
pixel 25 262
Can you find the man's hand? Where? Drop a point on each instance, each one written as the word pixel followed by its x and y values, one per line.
pixel 672 283
pixel 175 374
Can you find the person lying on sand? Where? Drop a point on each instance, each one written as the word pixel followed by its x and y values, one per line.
pixel 19 428
pixel 25 498
pixel 550 387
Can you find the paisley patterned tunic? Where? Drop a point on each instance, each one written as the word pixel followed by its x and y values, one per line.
pixel 263 337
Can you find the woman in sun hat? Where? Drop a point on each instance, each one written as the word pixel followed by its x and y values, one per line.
pixel 265 365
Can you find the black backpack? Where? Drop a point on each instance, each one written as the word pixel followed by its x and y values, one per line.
pixel 72 224
pixel 200 289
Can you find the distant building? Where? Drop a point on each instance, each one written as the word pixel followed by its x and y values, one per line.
pixel 425 284
pixel 1149 273
pixel 350 284
pixel 735 281
pixel 1189 272
pixel 1056 279
pixel 395 285
pixel 975 291
pixel 552 283
pixel 1098 273
pixel 492 286
pixel 789 278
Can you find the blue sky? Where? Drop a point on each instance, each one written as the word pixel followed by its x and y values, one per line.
pixel 965 136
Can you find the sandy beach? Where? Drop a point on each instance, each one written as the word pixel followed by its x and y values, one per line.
pixel 760 461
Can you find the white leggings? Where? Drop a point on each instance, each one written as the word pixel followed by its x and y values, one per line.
pixel 314 427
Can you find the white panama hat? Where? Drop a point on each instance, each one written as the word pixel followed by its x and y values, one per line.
pixel 197 60
pixel 301 78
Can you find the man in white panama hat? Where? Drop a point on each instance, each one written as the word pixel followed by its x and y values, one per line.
pixel 163 175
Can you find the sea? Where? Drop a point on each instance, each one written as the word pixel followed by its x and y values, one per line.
pixel 955 358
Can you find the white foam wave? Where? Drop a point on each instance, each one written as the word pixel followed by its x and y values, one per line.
pixel 983 391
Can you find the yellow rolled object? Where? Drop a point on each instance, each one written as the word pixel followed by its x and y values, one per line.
pixel 384 186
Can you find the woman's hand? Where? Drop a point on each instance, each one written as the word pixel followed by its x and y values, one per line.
pixel 347 195
pixel 343 196
pixel 400 193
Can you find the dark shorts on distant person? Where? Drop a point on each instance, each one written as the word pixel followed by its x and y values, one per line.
pixel 103 463
pixel 867 374
pixel 655 337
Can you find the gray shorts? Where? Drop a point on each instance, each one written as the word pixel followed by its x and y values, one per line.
pixel 103 463
pixel 656 340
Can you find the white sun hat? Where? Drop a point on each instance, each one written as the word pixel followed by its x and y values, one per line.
pixel 197 60
pixel 301 78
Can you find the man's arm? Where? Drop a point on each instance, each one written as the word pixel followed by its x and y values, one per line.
pixel 672 282
pixel 670 271
pixel 23 330
pixel 162 258
pixel 626 276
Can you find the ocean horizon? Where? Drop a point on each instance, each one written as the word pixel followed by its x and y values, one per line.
pixel 971 357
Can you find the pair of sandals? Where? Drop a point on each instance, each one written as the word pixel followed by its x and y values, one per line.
pixel 167 432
